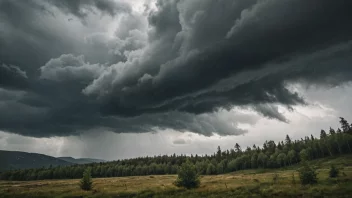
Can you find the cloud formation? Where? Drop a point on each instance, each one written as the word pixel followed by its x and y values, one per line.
pixel 171 66
pixel 70 68
pixel 261 36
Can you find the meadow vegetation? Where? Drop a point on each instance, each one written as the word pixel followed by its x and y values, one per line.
pixel 245 183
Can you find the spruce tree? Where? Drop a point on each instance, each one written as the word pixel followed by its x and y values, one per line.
pixel 307 174
pixel 334 172
pixel 344 125
pixel 288 140
pixel 86 181
pixel 322 134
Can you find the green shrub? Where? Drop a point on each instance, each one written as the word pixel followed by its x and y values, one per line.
pixel 86 181
pixel 187 176
pixel 307 175
pixel 334 172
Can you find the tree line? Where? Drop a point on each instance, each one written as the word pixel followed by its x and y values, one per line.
pixel 270 155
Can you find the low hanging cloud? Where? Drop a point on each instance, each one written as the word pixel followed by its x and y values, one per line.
pixel 70 68
pixel 174 65
pixel 179 141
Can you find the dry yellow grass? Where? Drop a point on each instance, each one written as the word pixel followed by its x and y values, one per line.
pixel 217 185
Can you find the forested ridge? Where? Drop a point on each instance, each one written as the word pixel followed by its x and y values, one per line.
pixel 270 155
pixel 14 160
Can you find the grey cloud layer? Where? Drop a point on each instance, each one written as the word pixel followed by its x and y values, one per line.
pixel 173 67
pixel 263 33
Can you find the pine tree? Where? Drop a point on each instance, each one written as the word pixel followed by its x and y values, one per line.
pixel 344 125
pixel 86 181
pixel 334 172
pixel 332 131
pixel 218 154
pixel 312 137
pixel 307 175
pixel 288 140
pixel 279 146
pixel 322 134
pixel 237 148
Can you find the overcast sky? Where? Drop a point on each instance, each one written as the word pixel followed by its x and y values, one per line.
pixel 116 79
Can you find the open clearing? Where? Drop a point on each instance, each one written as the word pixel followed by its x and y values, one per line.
pixel 250 183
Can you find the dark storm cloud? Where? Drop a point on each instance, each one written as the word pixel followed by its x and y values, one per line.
pixel 79 116
pixel 175 68
pixel 55 106
pixel 38 30
pixel 249 36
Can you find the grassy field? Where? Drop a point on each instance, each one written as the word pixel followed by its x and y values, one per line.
pixel 250 183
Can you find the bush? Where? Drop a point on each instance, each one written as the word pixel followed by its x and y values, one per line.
pixel 187 176
pixel 334 172
pixel 86 181
pixel 307 175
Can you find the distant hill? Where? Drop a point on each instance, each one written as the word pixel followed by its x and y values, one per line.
pixel 81 160
pixel 10 160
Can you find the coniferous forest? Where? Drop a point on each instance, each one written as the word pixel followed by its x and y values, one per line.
pixel 270 155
